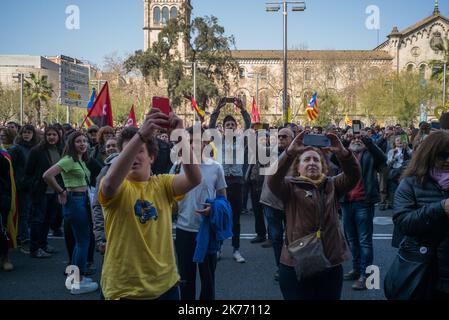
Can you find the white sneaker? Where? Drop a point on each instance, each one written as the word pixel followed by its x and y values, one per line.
pixel 238 257
pixel 85 286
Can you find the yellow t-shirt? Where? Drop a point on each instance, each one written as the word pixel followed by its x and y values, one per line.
pixel 139 262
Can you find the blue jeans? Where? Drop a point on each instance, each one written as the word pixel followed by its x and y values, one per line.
pixel 276 222
pixel 24 215
pixel 326 285
pixel 76 212
pixel 358 225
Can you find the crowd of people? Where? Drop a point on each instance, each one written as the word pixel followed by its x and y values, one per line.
pixel 117 192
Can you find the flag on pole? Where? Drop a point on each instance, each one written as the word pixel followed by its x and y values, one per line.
pixel 312 108
pixel 255 116
pixel 131 118
pixel 11 223
pixel 201 113
pixel 348 121
pixel 101 111
pixel 87 122
pixel 92 99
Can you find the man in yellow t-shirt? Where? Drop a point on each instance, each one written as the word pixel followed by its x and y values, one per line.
pixel 139 260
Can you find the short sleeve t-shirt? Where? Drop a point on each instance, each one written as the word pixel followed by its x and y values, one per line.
pixel 212 179
pixel 139 262
pixel 74 173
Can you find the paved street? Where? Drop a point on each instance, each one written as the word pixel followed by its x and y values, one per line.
pixel 44 279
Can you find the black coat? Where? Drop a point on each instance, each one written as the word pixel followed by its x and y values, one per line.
pixel 38 162
pixel 420 217
pixel 162 164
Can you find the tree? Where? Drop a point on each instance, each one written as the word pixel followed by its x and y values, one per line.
pixel 206 44
pixel 438 65
pixel 38 92
pixel 9 104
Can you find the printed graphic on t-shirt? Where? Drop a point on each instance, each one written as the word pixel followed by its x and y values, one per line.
pixel 145 211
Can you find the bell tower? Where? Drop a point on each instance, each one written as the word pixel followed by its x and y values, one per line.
pixel 157 13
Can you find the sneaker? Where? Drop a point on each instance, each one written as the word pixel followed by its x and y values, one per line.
pixel 351 275
pixel 8 266
pixel 359 284
pixel 238 257
pixel 267 244
pixel 276 276
pixel 258 239
pixel 40 254
pixel 49 249
pixel 84 287
pixel 24 248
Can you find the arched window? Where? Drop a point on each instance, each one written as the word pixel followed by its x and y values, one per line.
pixel 308 74
pixel 263 100
pixel 157 15
pixel 173 13
pixel 242 72
pixel 165 15
pixel 422 71
pixel 410 68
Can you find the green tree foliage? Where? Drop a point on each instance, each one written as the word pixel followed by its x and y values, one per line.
pixel 206 44
pixel 39 92
pixel 9 104
pixel 396 97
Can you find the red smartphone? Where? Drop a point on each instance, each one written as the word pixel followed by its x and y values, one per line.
pixel 162 104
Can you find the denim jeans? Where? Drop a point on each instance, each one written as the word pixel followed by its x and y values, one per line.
pixel 259 220
pixel 43 210
pixel 276 222
pixel 185 248
pixel 77 214
pixel 234 192
pixel 358 225
pixel 326 285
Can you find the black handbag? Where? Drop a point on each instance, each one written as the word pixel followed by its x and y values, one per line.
pixel 410 277
pixel 308 251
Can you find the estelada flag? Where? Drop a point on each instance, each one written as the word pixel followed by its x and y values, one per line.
pixel 255 116
pixel 348 121
pixel 198 111
pixel 11 223
pixel 312 108
pixel 131 118
pixel 101 112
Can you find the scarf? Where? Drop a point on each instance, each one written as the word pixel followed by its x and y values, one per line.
pixel 441 177
pixel 316 182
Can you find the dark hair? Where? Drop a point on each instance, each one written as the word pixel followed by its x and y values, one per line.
pixel 444 120
pixel 47 129
pixel 128 133
pixel 9 134
pixel 34 141
pixel 70 149
pixel 67 127
pixel 229 118
pixel 324 165
pixel 13 123
pixel 427 155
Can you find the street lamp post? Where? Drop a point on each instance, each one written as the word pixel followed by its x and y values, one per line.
pixel 275 7
pixel 444 86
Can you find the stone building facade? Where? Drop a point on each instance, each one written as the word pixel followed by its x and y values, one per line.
pixel 336 71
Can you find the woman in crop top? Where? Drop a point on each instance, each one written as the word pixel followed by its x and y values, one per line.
pixel 75 201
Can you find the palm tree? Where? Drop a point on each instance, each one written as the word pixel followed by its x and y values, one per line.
pixel 39 92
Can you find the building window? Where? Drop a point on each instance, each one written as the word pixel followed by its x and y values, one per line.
pixel 242 73
pixel 410 68
pixel 422 71
pixel 308 74
pixel 157 15
pixel 173 13
pixel 165 15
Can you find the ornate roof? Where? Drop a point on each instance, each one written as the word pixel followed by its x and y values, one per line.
pixel 312 55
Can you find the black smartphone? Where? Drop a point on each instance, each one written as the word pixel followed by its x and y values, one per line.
pixel 316 140
pixel 356 126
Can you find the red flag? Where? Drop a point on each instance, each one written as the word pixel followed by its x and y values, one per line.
pixel 101 112
pixel 255 116
pixel 131 118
